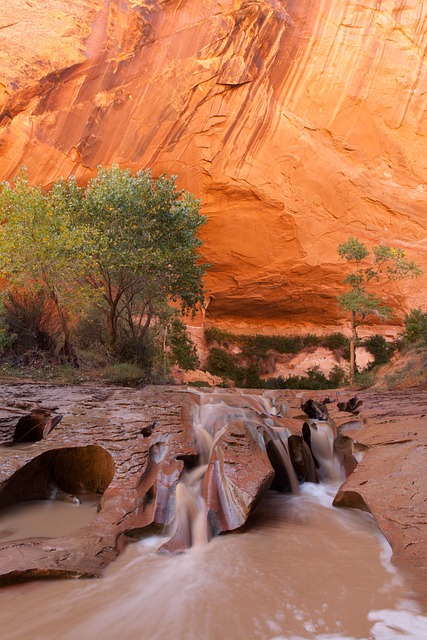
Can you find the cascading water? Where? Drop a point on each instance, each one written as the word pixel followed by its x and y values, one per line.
pixel 322 445
pixel 191 525
pixel 210 417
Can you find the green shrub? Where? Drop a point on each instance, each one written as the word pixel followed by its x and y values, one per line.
pixel 311 340
pixel 335 342
pixel 317 380
pixel 276 383
pixel 91 331
pixel 183 350
pixel 314 380
pixel 139 350
pixel 31 318
pixel 6 339
pixel 338 377
pixel 224 364
pixel 378 346
pixel 212 334
pixel 415 326
pixel 259 347
pixel 364 379
pixel 252 379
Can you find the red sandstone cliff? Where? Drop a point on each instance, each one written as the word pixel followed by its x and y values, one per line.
pixel 298 123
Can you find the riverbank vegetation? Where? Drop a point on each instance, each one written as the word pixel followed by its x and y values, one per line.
pixel 98 282
pixel 244 360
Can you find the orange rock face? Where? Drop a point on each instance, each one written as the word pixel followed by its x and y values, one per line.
pixel 297 123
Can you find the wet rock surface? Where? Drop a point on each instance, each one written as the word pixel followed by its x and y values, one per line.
pixel 97 447
pixel 238 475
pixel 390 480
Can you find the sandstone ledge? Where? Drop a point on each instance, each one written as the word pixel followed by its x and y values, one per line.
pixel 390 480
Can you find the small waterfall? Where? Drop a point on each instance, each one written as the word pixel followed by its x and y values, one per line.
pixel 211 416
pixel 279 440
pixel 191 525
pixel 322 446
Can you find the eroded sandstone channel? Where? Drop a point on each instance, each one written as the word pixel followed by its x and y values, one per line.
pixel 130 447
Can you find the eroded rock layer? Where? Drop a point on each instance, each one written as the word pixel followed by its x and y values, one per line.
pixel 297 123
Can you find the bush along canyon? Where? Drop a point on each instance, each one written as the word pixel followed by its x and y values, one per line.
pixel 213 320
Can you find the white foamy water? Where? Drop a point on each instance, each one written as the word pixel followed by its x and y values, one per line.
pixel 303 570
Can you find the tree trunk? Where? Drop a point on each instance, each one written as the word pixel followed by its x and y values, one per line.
pixel 165 367
pixel 67 350
pixel 353 342
pixel 112 325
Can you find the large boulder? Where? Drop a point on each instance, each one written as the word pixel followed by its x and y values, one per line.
pixel 238 474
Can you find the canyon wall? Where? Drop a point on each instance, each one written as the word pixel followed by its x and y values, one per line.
pixel 297 123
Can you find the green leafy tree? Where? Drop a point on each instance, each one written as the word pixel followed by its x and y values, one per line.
pixel 144 250
pixel 381 264
pixel 126 244
pixel 42 247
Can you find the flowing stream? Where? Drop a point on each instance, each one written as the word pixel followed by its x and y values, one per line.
pixel 302 569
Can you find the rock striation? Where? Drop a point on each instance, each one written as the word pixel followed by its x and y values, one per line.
pixel 297 123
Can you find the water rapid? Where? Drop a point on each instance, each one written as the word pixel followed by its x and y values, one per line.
pixel 302 570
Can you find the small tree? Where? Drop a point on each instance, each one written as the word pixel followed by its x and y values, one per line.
pixel 382 264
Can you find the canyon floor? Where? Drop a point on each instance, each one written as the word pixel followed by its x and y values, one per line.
pixel 130 446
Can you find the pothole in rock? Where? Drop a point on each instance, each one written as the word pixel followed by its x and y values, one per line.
pixel 55 494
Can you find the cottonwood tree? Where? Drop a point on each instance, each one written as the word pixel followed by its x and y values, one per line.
pixel 126 243
pixel 42 248
pixel 144 249
pixel 370 268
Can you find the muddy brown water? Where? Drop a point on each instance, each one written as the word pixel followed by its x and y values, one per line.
pixel 302 569
pixel 46 518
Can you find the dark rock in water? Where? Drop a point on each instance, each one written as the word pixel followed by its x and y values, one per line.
pixel 306 434
pixel 351 406
pixel 315 410
pixel 35 426
pixel 281 481
pixel 302 459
